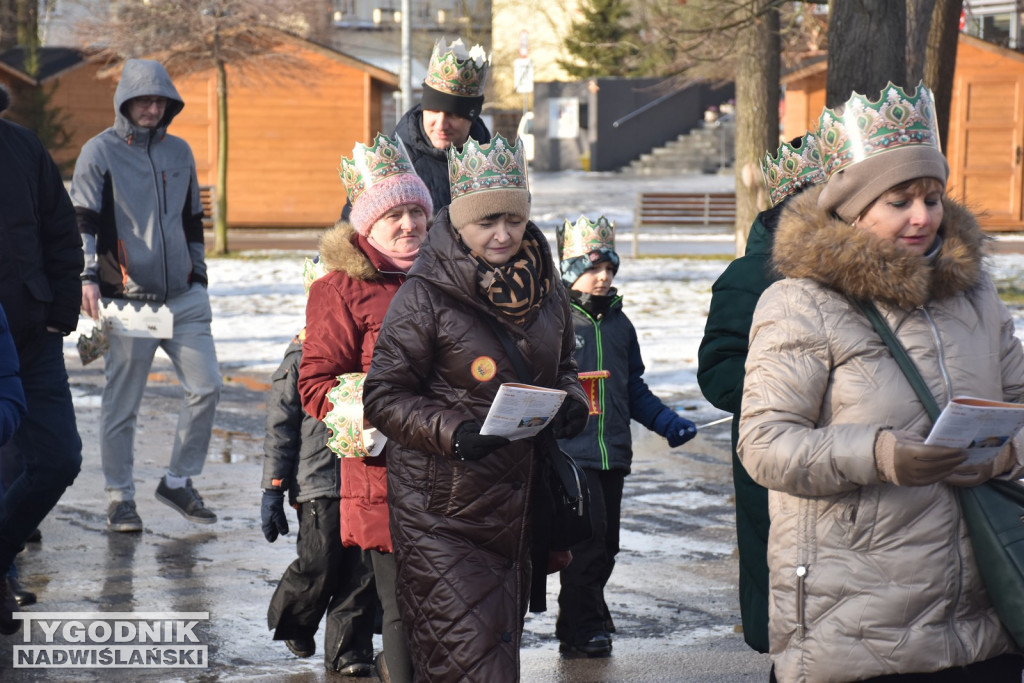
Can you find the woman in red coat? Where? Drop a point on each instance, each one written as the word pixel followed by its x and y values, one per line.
pixel 366 262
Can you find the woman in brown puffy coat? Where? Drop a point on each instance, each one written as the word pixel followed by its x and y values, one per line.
pixel 460 501
pixel 872 572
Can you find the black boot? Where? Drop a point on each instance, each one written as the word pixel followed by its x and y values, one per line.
pixel 597 645
pixel 21 596
pixel 301 647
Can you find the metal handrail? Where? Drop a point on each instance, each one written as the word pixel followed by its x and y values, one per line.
pixel 641 110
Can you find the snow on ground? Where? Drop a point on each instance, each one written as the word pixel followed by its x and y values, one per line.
pixel 258 301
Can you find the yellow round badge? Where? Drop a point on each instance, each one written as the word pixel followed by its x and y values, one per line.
pixel 484 368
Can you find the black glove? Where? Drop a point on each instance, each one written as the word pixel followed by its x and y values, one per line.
pixel 570 420
pixel 272 514
pixel 470 444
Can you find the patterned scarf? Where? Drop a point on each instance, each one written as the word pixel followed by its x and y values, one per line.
pixel 516 287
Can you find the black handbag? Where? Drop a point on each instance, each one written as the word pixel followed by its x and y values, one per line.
pixel 994 511
pixel 565 480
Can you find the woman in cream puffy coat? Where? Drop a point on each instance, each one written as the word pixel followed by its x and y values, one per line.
pixel 872 570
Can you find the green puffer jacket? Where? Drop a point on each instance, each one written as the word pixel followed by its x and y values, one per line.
pixel 723 351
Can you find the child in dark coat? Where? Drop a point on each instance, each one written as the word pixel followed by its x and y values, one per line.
pixel 326 577
pixel 605 341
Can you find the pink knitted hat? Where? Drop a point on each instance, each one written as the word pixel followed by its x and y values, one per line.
pixel 378 178
pixel 379 198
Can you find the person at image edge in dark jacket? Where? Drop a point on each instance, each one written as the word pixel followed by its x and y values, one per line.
pixel 41 293
pixel 605 341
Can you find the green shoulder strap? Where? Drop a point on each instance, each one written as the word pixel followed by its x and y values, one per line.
pixel 902 359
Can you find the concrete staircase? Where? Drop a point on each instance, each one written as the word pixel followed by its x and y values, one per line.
pixel 709 149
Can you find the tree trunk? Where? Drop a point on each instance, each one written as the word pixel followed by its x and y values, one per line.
pixel 220 245
pixel 940 61
pixel 757 112
pixel 919 19
pixel 866 48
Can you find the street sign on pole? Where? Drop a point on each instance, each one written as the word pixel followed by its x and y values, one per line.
pixel 524 44
pixel 522 69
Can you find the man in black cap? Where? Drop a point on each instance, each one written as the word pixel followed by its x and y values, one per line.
pixel 449 114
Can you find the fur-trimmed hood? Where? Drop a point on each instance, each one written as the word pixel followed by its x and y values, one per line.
pixel 811 243
pixel 343 249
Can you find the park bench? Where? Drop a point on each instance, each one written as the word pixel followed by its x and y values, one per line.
pixel 667 211
pixel 208 196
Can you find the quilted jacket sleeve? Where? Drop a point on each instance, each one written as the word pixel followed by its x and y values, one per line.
pixel 568 370
pixel 1012 364
pixel 284 422
pixel 332 346
pixel 395 400
pixel 788 373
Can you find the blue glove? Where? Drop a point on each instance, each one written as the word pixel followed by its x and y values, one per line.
pixel 272 514
pixel 677 430
pixel 680 430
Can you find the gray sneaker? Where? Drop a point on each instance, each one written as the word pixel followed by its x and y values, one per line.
pixel 185 501
pixel 121 516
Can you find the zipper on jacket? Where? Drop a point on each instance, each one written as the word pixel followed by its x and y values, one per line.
pixel 801 576
pixel 806 543
pixel 948 382
pixel 941 356
pixel 605 464
pixel 602 447
pixel 161 198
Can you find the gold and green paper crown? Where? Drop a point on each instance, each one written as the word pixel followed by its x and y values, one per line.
pixel 493 166
pixel 370 165
pixel 792 169
pixel 585 236
pixel 345 419
pixel 312 270
pixel 865 129
pixel 457 71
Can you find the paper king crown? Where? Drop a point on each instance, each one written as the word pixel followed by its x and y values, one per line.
pixel 370 165
pixel 497 165
pixel 792 169
pixel 866 129
pixel 584 236
pixel 457 71
pixel 349 439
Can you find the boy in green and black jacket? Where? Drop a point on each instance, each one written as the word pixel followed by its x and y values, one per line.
pixel 605 341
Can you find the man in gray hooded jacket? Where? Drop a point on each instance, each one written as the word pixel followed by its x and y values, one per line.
pixel 136 196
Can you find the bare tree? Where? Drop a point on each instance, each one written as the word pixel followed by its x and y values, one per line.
pixel 757 88
pixel 940 61
pixel 194 35
pixel 739 41
pixel 877 41
pixel 919 21
pixel 867 47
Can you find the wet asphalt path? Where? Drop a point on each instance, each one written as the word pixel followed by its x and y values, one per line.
pixel 673 594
